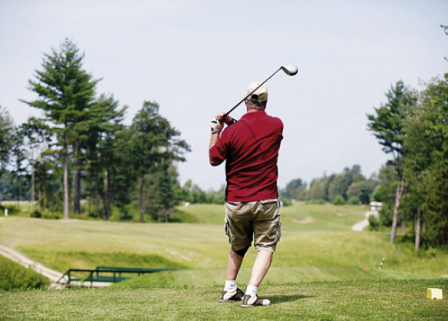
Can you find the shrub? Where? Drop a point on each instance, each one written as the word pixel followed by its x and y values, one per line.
pixel 354 201
pixel 338 200
pixel 13 276
pixel 318 202
pixel 36 214
pixel 285 201
pixel 12 209
pixel 52 215
pixel 374 223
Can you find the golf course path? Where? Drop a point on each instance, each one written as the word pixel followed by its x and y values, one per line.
pixel 21 259
pixel 358 227
pixel 50 274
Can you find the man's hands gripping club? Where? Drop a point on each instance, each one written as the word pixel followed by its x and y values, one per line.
pixel 217 124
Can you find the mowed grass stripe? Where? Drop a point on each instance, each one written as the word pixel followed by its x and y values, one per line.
pixel 85 244
pixel 277 275
pixel 323 300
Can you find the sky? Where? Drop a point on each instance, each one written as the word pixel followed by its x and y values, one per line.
pixel 196 58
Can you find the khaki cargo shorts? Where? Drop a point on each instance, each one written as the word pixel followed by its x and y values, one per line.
pixel 258 221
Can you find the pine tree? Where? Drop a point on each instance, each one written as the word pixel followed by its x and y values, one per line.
pixel 387 126
pixel 65 93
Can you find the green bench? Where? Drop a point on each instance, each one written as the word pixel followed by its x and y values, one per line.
pixel 106 274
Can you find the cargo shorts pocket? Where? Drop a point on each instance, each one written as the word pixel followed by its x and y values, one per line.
pixel 227 229
pixel 279 231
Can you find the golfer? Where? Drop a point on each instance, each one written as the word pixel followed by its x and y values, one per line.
pixel 250 148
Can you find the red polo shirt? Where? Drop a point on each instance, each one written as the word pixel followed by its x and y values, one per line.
pixel 250 147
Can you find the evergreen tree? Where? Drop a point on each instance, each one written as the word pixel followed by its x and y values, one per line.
pixel 387 126
pixel 65 92
pixel 6 144
pixel 154 142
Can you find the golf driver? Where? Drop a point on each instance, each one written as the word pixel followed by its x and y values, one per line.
pixel 290 70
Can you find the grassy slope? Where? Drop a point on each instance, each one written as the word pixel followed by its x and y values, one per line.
pixel 313 235
pixel 13 276
pixel 337 300
pixel 317 244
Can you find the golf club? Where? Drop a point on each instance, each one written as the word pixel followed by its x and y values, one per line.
pixel 290 70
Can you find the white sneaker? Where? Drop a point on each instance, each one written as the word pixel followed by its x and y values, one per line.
pixel 250 302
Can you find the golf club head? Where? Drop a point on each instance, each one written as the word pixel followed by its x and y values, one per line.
pixel 290 70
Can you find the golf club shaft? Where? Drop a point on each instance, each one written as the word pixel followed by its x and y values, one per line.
pixel 251 93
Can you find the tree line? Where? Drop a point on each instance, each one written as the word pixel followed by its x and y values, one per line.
pixel 412 126
pixel 350 186
pixel 81 148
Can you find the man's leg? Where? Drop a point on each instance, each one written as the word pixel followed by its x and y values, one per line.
pixel 260 268
pixel 231 292
pixel 233 265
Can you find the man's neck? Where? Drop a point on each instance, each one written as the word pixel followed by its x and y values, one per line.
pixel 253 110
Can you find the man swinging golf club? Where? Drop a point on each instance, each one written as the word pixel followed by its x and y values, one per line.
pixel 250 148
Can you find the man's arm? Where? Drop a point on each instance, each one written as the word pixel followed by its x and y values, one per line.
pixel 213 140
pixel 217 125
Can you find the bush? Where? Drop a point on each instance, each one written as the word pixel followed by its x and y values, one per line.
pixel 285 201
pixel 318 202
pixel 386 215
pixel 374 223
pixel 338 200
pixel 354 201
pixel 36 214
pixel 14 276
pixel 12 209
pixel 52 215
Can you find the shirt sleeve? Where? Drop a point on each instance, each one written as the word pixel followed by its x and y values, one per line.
pixel 219 151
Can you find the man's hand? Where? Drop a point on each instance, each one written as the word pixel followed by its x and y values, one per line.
pixel 228 121
pixel 216 126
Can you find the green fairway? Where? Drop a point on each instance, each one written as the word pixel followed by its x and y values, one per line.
pixel 321 270
pixel 315 238
pixel 322 300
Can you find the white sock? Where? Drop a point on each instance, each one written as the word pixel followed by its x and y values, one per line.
pixel 251 290
pixel 230 286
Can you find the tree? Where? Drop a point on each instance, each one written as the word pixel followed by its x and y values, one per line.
pixel 36 132
pixel 6 143
pixel 154 142
pixel 426 166
pixel 317 190
pixel 65 92
pixel 293 189
pixel 387 126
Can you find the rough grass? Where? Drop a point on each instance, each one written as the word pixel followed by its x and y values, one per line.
pixel 15 276
pixel 322 300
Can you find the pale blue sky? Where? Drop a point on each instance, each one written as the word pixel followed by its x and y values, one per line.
pixel 196 58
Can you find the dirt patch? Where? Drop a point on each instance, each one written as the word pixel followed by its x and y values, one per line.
pixel 304 220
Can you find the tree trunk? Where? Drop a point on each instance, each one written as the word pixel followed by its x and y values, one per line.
pixel 108 193
pixel 32 185
pixel 76 187
pixel 142 203
pixel 104 198
pixel 398 194
pixel 419 229
pixel 78 191
pixel 1 189
pixel 66 204
pixel 97 211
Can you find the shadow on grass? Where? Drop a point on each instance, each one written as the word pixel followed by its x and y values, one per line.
pixel 275 299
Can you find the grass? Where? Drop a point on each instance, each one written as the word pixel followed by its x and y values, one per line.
pixel 318 272
pixel 15 276
pixel 313 235
pixel 321 300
